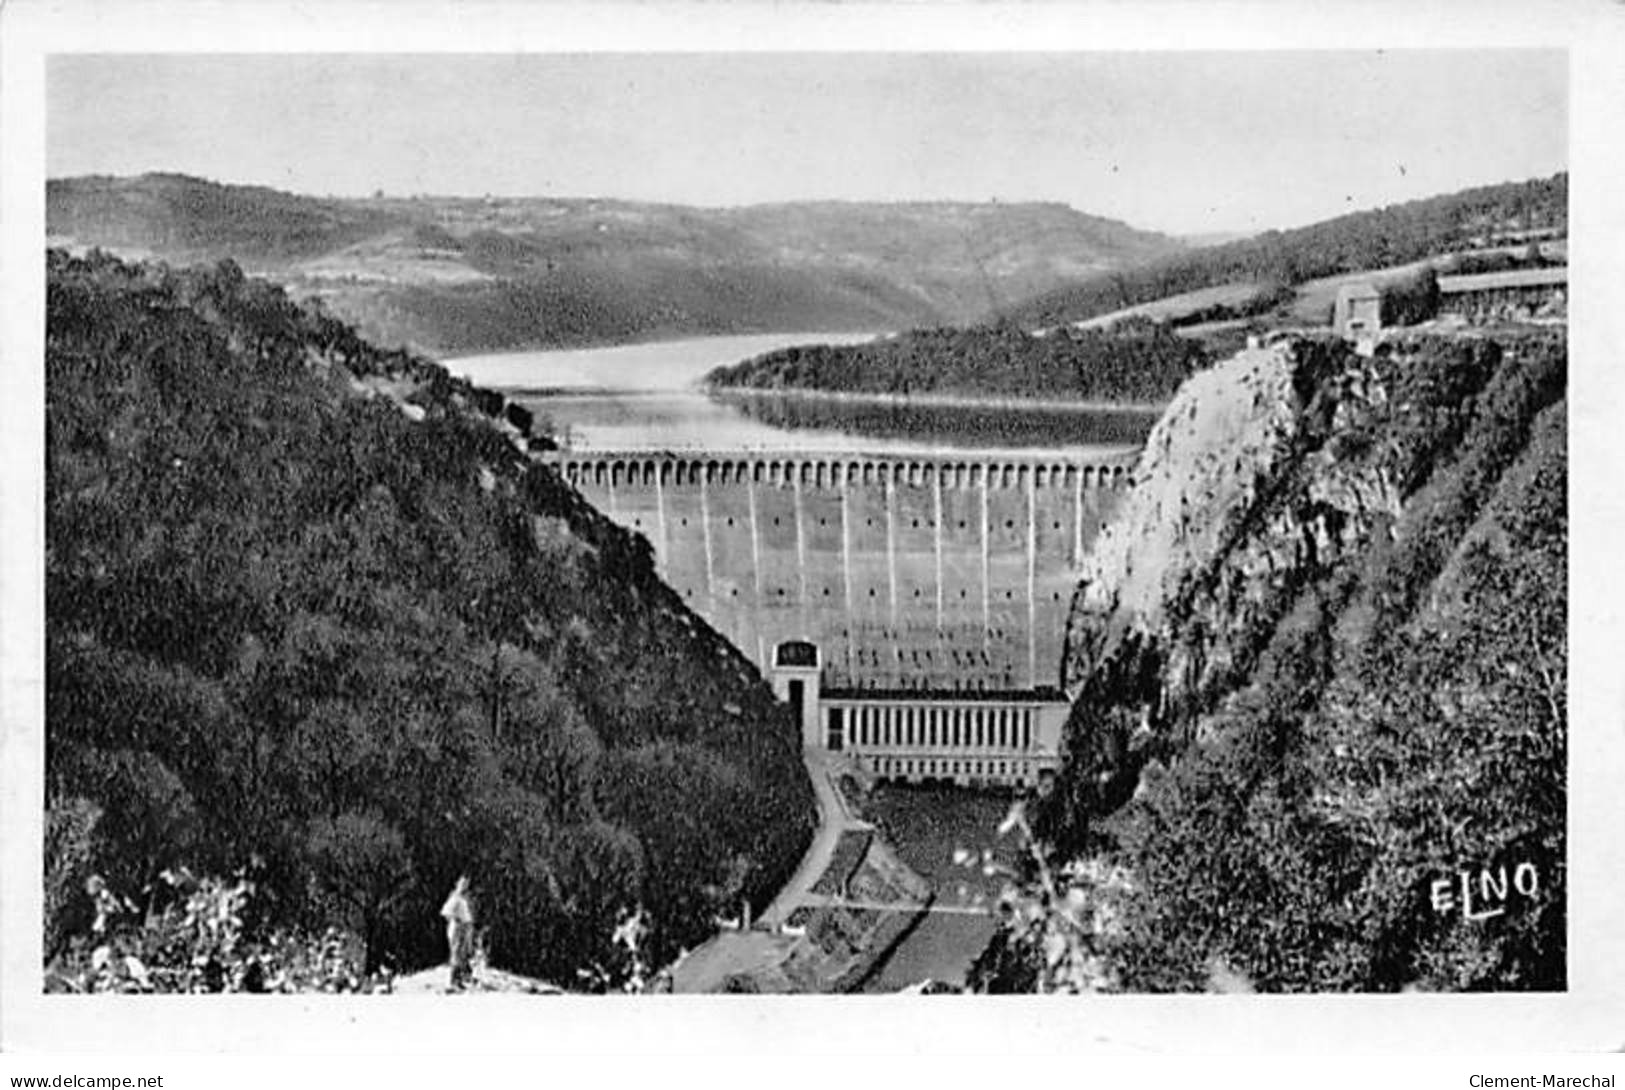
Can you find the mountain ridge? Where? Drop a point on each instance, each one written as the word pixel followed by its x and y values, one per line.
pixel 464 274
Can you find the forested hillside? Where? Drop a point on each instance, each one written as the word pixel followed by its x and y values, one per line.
pixel 1319 664
pixel 1133 363
pixel 313 618
pixel 452 274
pixel 1362 240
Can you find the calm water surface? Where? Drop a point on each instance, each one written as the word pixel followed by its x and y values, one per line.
pixel 647 397
pixel 658 365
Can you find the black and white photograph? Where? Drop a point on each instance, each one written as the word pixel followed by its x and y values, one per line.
pixel 532 526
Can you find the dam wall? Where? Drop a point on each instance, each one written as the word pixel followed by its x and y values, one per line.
pixel 936 571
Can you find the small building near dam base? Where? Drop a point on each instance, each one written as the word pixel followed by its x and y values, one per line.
pixel 1007 738
pixel 1358 312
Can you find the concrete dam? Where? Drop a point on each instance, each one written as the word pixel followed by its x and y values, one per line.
pixel 941 572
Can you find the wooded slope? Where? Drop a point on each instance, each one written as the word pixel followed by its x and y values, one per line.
pixel 1136 362
pixel 311 616
pixel 1374 239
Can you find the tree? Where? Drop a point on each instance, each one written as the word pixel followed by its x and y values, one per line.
pixel 362 861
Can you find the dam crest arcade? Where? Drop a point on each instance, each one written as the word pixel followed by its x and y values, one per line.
pixel 932 587
pixel 603 470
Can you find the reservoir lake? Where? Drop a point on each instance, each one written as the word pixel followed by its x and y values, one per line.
pixel 650 397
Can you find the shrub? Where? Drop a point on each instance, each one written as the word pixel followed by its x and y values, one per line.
pixel 200 942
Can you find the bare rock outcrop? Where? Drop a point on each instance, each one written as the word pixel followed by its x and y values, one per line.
pixel 1264 473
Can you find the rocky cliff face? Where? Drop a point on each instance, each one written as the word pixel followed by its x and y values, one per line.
pixel 1267 646
pixel 1238 496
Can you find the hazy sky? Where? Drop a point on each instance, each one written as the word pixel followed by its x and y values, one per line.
pixel 1181 142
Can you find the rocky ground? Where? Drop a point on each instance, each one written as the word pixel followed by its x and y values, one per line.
pixel 486 980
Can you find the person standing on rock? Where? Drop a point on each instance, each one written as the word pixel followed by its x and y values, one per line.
pixel 459 914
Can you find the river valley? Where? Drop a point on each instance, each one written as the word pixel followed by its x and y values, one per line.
pixel 650 398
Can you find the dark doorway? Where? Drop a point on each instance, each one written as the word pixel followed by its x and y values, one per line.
pixel 837 731
pixel 798 694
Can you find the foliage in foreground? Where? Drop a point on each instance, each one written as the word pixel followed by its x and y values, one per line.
pixel 201 935
pixel 1060 921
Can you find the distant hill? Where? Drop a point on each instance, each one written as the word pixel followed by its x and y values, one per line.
pixel 1136 364
pixel 1395 235
pixel 472 274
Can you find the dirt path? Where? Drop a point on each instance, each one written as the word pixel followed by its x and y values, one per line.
pixel 833 819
